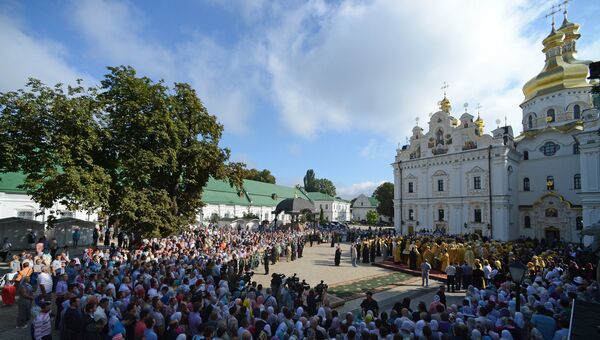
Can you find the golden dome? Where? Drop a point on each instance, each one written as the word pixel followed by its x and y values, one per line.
pixel 480 124
pixel 445 104
pixel 562 70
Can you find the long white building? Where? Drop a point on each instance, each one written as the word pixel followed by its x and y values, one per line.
pixel 543 183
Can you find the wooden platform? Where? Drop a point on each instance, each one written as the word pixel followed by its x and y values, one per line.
pixel 389 264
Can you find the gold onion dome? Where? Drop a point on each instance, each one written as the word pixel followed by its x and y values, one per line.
pixel 480 124
pixel 562 70
pixel 445 104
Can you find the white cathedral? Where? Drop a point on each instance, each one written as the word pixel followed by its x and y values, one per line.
pixel 543 183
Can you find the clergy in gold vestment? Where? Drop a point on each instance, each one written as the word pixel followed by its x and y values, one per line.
pixel 469 256
pixel 397 252
pixel 445 259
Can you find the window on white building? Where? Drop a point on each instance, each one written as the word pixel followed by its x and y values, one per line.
pixel 549 148
pixel 440 185
pixel 410 187
pixel 525 155
pixel 477 182
pixel 27 214
pixel 477 215
pixel 576 149
pixel 550 183
pixel 67 214
pixel 440 214
pixel 530 122
pixel 326 206
pixel 550 116
pixel 576 112
pixel 527 222
pixel 577 181
pixel 411 214
pixel 526 184
pixel 579 223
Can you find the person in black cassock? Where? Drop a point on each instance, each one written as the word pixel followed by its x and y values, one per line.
pixel 372 252
pixel 338 255
pixel 413 259
pixel 266 261
pixel 365 253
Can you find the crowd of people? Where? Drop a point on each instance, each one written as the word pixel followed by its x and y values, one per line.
pixel 199 285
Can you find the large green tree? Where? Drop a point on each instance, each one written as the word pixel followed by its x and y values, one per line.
pixel 325 186
pixel 264 175
pixel 312 184
pixel 309 180
pixel 385 195
pixel 52 135
pixel 137 149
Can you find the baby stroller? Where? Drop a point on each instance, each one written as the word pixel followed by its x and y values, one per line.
pixel 6 278
pixel 9 290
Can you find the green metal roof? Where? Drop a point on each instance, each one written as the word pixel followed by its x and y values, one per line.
pixel 221 192
pixel 374 202
pixel 268 194
pixel 215 191
pixel 10 181
pixel 319 196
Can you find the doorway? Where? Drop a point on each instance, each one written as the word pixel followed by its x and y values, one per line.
pixel 552 235
pixel 411 229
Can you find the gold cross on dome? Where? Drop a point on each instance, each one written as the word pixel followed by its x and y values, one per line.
pixel 553 10
pixel 564 4
pixel 444 87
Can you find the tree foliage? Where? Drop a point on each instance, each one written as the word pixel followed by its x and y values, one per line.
pixel 264 175
pixel 385 195
pixel 323 185
pixel 137 149
pixel 309 180
pixel 372 217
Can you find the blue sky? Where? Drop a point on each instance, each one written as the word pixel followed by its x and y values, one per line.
pixel 328 85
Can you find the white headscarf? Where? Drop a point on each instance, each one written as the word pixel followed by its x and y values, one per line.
pixel 419 328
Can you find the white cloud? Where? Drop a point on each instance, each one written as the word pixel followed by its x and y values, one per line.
pixel 373 150
pixel 224 78
pixel 351 191
pixel 23 56
pixel 376 66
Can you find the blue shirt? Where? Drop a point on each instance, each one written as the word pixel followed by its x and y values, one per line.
pixel 149 334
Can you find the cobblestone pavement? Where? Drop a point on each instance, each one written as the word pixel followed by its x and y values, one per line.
pixel 316 264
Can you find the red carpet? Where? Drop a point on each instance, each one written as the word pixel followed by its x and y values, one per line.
pixel 389 264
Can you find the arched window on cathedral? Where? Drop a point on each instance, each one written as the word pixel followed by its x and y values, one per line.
pixel 551 116
pixel 579 222
pixel 526 184
pixel 439 137
pixel 530 122
pixel 527 222
pixel 550 183
pixel 525 155
pixel 576 112
pixel 577 181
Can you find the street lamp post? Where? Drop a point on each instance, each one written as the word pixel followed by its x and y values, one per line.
pixel 517 272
